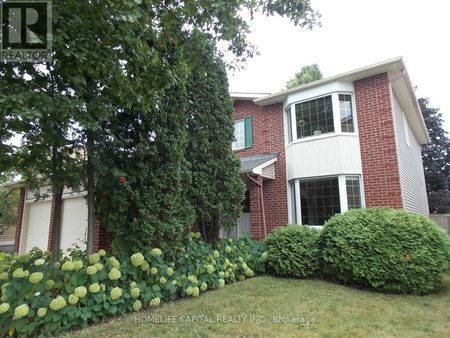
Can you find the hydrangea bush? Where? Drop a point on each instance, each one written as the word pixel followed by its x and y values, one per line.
pixel 42 297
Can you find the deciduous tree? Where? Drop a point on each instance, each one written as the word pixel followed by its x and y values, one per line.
pixel 307 74
pixel 112 61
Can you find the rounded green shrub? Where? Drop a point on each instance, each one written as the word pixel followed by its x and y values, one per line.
pixel 292 251
pixel 385 249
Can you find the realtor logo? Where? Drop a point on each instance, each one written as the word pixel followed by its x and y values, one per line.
pixel 26 31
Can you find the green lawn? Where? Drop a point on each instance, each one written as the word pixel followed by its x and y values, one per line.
pixel 269 307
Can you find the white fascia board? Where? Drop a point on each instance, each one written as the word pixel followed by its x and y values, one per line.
pixel 401 84
pixel 13 184
pixel 247 96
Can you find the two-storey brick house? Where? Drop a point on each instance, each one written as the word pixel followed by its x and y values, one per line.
pixel 348 141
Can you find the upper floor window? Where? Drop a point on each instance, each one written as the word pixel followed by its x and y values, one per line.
pixel 317 116
pixel 345 107
pixel 243 134
pixel 314 117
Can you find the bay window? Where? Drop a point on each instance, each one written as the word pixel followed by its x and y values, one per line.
pixel 314 117
pixel 318 116
pixel 345 108
pixel 314 200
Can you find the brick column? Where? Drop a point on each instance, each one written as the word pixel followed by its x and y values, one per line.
pixel 256 221
pixel 20 208
pixel 381 173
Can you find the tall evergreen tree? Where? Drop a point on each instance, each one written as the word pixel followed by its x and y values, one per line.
pixel 436 160
pixel 142 189
pixel 217 188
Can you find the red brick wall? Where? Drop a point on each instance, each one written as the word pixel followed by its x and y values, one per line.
pixel 19 220
pixel 268 137
pixel 102 237
pixel 381 174
pixel 256 220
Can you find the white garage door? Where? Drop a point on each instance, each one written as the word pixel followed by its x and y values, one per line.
pixel 74 223
pixel 38 222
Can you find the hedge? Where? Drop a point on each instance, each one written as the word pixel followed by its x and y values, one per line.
pixel 385 249
pixel 292 251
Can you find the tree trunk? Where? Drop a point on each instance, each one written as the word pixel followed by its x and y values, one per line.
pixel 56 231
pixel 91 199
pixel 216 229
pixel 202 228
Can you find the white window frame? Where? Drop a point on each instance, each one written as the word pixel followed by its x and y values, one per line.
pixel 239 140
pixel 343 198
pixel 291 119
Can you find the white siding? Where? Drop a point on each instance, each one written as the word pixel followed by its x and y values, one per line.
pixel 269 171
pixel 411 167
pixel 327 155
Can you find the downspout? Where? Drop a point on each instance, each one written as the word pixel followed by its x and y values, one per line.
pixel 263 213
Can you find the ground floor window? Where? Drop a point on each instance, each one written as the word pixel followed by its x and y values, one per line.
pixel 314 201
pixel 319 200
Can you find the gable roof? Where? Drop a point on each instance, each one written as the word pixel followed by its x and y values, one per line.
pixel 255 164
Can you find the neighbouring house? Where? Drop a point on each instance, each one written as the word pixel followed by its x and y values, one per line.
pixel 7 240
pixel 307 153
pixel 35 221
pixel 348 141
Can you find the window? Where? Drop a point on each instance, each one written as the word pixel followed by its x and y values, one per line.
pixel 319 200
pixel 406 129
pixel 314 201
pixel 317 117
pixel 293 202
pixel 289 125
pixel 345 107
pixel 353 192
pixel 243 134
pixel 239 135
pixel 314 117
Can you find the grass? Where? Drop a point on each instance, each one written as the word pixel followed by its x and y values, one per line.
pixel 275 307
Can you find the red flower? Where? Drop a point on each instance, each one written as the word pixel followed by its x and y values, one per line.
pixel 103 175
pixel 121 179
pixel 103 194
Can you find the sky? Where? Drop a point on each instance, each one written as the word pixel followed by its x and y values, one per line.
pixel 355 34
